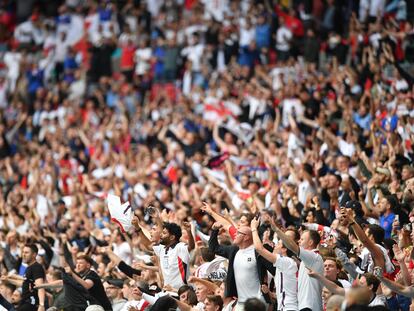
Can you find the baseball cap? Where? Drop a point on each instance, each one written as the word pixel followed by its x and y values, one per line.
pixel 116 282
pixel 353 204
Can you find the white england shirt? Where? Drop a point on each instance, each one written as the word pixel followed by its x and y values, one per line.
pixel 286 283
pixel 309 289
pixel 174 263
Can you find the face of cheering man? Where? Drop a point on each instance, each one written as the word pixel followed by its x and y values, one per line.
pixel 243 237
pixel 82 265
pixel 155 234
pixel 167 238
pixel 28 255
pixel 330 269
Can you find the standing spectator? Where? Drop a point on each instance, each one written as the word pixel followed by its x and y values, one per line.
pixel 311 47
pixel 90 280
pixel 246 271
pixel 262 33
pixel 283 38
pixel 174 255
pixel 142 58
pixel 127 58
pixel 32 298
pixel 286 271
pixel 309 290
pixel 172 60
pixel 158 55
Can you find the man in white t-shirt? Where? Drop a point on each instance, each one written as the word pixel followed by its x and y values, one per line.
pixel 283 38
pixel 246 270
pixel 309 290
pixel 174 255
pixel 286 281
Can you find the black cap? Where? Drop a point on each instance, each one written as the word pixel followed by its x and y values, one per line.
pixel 356 207
pixel 116 282
pixel 353 204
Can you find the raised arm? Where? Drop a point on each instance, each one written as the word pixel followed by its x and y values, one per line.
pixel 407 291
pixel 217 217
pixel 289 243
pixel 214 245
pixel 335 289
pixel 191 242
pixel 87 284
pixel 258 245
pixel 144 239
pixel 376 252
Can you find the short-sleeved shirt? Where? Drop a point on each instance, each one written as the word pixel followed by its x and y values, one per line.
pixel 97 290
pixel 33 272
pixel 174 263
pixel 309 289
pixel 246 275
pixel 286 283
pixel 386 224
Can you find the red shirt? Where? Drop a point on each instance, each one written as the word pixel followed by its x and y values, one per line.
pixel 127 57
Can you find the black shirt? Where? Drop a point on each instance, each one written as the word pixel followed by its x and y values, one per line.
pixel 97 291
pixel 29 294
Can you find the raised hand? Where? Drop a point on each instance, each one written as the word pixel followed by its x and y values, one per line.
pixel 217 226
pixel 313 274
pixel 68 270
pixel 254 224
pixel 186 226
pixel 398 253
pixel 207 208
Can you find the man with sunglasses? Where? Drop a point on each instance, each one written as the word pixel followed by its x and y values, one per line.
pixel 247 269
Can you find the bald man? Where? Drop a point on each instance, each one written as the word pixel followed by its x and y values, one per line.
pixel 247 269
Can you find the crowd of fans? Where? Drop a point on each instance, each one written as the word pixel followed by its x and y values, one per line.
pixel 265 149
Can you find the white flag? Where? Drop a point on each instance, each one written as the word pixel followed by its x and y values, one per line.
pixel 120 213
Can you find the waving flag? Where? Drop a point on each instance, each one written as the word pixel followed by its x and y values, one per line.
pixel 120 213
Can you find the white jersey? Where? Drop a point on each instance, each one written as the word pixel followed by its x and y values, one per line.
pixel 286 283
pixel 309 289
pixel 367 263
pixel 174 263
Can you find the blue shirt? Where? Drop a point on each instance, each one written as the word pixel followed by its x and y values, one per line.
pixel 386 224
pixel 363 122
pixel 262 36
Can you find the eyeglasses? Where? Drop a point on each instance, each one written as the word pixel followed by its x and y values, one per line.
pixel 239 232
pixel 112 287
